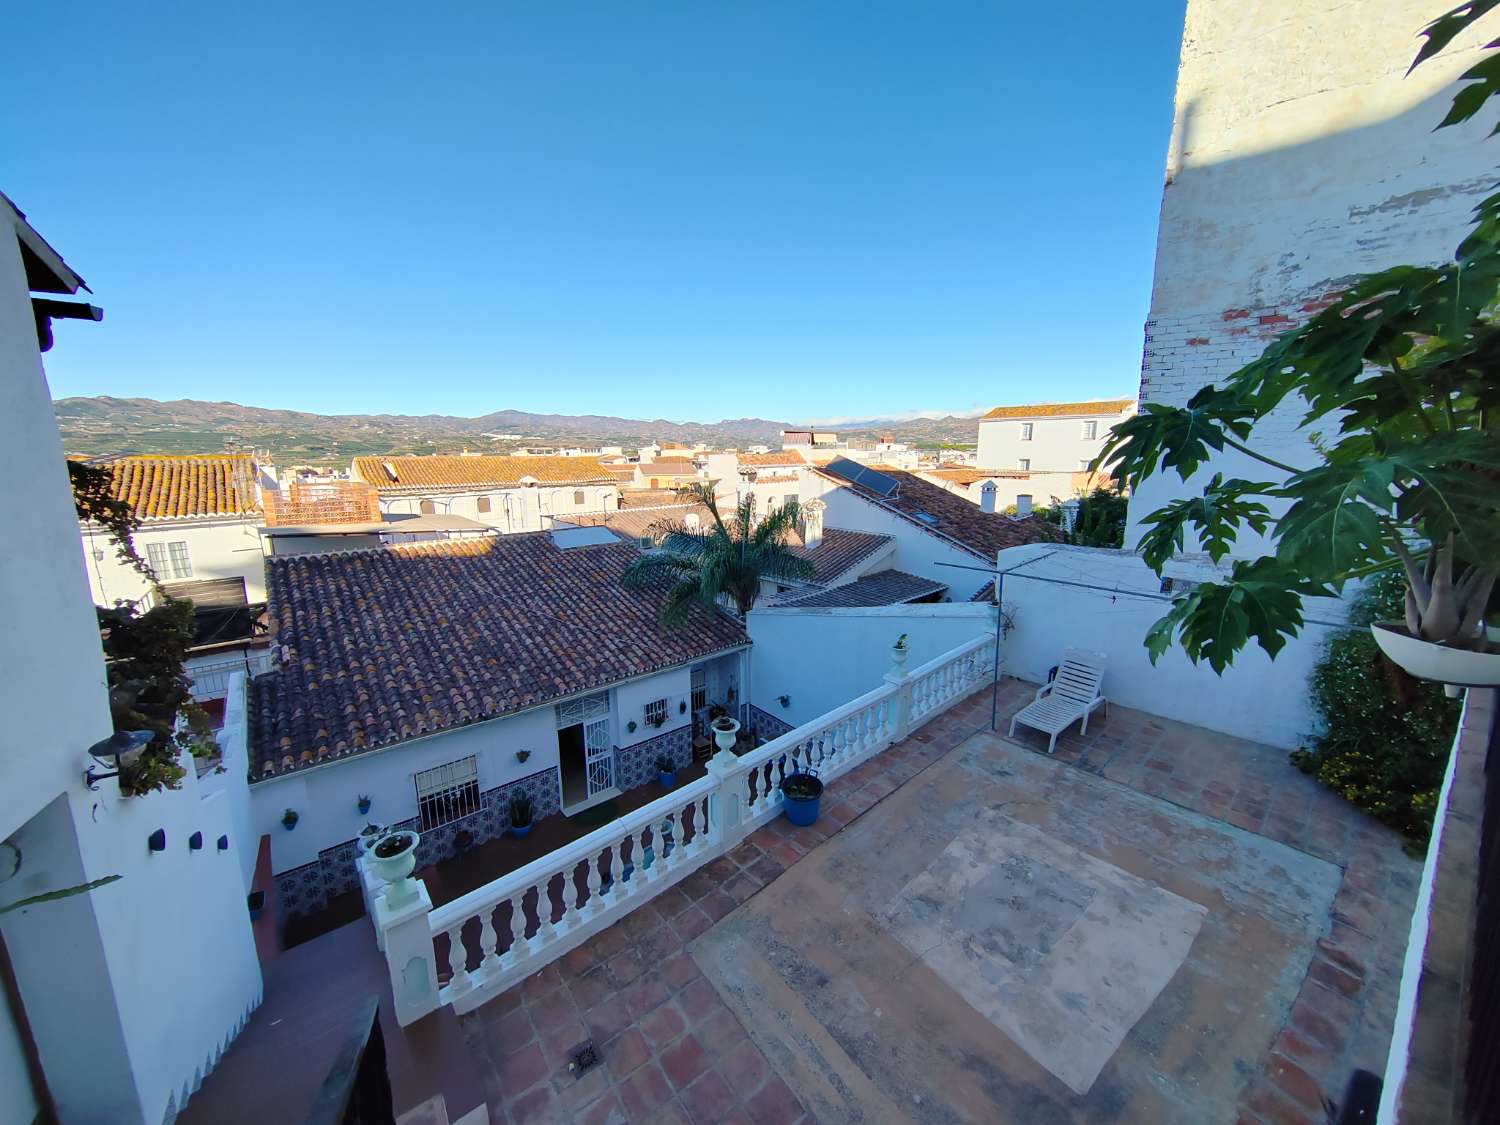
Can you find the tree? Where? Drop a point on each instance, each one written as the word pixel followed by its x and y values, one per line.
pixel 1400 371
pixel 1099 521
pixel 724 560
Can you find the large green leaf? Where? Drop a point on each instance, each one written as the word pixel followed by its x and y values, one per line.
pixel 1180 438
pixel 1333 525
pixel 1216 517
pixel 1261 600
pixel 1442 31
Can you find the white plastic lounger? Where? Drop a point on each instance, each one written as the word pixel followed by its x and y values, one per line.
pixel 1075 694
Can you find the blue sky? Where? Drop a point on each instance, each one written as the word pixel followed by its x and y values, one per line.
pixel 691 210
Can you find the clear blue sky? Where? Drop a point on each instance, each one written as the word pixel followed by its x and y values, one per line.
pixel 801 209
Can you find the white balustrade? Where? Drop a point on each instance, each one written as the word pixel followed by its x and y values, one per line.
pixel 737 796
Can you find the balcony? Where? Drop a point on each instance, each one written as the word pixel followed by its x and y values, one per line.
pixel 1157 923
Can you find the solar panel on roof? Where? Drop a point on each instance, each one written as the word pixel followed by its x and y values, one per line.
pixel 881 484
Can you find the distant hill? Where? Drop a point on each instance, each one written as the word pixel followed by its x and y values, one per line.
pixel 103 424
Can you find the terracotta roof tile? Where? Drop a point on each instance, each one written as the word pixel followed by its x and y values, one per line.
pixel 781 457
pixel 381 646
pixel 841 551
pixel 178 487
pixel 395 474
pixel 933 508
pixel 1062 409
pixel 974 476
pixel 668 466
pixel 884 587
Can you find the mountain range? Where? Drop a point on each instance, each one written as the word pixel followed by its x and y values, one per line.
pixel 104 424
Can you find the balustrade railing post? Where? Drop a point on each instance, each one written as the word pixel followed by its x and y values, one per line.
pixel 409 954
pixel 726 803
pixel 900 703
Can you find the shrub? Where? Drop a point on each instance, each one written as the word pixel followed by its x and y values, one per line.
pixel 1386 736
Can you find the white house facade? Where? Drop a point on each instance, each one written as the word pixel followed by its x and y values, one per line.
pixel 1053 437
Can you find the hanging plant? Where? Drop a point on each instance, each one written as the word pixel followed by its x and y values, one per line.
pixel 363 804
pixel 289 819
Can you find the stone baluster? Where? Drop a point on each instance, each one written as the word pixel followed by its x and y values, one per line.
pixel 458 957
pixel 519 947
pixel 488 942
pixel 592 879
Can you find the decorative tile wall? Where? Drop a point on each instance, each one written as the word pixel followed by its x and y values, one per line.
pixel 766 726
pixel 636 765
pixel 307 889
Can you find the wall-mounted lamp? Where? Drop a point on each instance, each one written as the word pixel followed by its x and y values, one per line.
pixel 118 750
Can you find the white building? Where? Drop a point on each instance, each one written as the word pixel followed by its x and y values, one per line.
pixel 1012 488
pixel 511 494
pixel 200 518
pixel 130 992
pixel 1285 177
pixel 1051 437
pixel 482 668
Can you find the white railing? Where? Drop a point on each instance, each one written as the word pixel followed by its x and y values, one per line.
pixel 210 678
pixel 475 947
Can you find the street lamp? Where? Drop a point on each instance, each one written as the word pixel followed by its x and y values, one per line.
pixel 119 749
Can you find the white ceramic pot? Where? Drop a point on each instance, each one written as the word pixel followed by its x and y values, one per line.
pixel 725 736
pixel 396 870
pixel 899 655
pixel 1426 660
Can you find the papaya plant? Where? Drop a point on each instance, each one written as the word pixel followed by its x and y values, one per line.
pixel 1398 381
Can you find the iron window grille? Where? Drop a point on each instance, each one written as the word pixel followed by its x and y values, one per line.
pixel 448 792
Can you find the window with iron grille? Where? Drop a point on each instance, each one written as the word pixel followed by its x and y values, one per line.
pixel 656 712
pixel 700 690
pixel 447 792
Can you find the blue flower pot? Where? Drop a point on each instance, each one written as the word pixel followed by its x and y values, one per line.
pixel 667 779
pixel 521 831
pixel 802 810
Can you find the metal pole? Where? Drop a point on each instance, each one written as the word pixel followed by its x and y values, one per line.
pixel 995 674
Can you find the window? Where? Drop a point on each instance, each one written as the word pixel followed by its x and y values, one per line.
pixel 700 690
pixel 1023 502
pixel 447 793
pixel 482 504
pixel 1083 462
pixel 1026 431
pixel 578 497
pixel 789 498
pixel 1090 431
pixel 656 713
pixel 1024 464
pixel 169 560
pixel 427 508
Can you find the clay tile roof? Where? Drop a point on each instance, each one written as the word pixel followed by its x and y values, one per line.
pixel 780 478
pixel 1062 409
pixel 177 487
pixel 381 646
pixel 647 497
pixel 781 457
pixel 934 509
pixel 841 551
pixel 884 587
pixel 972 476
pixel 394 474
pixel 668 466
pixel 637 523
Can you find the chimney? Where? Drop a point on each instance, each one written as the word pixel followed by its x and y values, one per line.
pixel 1023 505
pixel 812 524
pixel 987 496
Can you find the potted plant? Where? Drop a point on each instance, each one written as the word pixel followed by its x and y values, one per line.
pixel 899 651
pixel 726 732
pixel 520 814
pixel 801 794
pixel 289 819
pixel 666 771
pixel 463 839
pixel 369 836
pixel 630 726
pixel 395 858
pixel 363 804
pixel 1394 380
pixel 522 755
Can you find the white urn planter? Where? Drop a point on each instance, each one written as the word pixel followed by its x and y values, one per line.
pixel 1427 660
pixel 395 858
pixel 899 653
pixel 726 733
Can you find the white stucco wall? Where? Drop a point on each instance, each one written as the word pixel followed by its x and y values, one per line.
pixel 917 551
pixel 1056 445
pixel 1257 698
pixel 822 658
pixel 216 549
pixel 1301 154
pixel 511 509
pixel 233 780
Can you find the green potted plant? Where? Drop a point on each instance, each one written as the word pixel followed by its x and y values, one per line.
pixel 1396 383
pixel 520 814
pixel 363 804
pixel 395 858
pixel 666 771
pixel 289 819
pixel 899 651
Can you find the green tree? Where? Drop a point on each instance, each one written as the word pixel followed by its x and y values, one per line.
pixel 1399 373
pixel 728 559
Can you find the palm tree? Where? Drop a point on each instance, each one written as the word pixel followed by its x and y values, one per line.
pixel 721 561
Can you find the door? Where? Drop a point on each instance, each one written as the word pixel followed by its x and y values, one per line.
pixel 598 757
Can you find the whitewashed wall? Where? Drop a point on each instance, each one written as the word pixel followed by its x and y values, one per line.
pixel 233 780
pixel 917 551
pixel 823 658
pixel 1257 698
pixel 216 549
pixel 512 509
pixel 1056 445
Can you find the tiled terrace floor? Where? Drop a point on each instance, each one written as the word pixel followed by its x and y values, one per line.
pixel 674 1050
